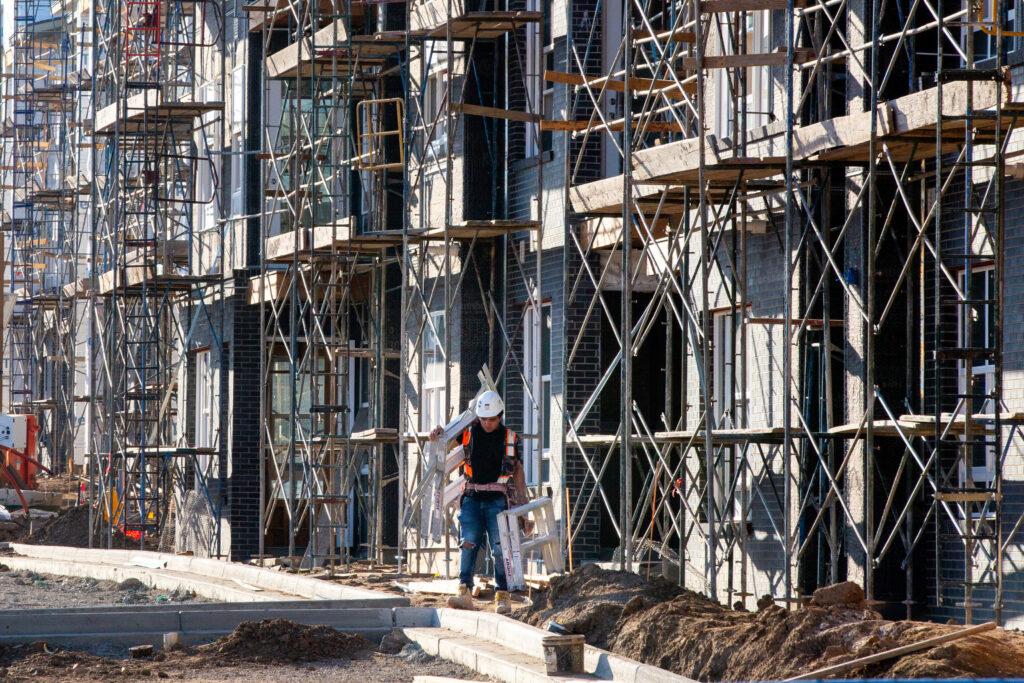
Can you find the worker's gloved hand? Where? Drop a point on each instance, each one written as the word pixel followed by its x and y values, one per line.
pixel 438 431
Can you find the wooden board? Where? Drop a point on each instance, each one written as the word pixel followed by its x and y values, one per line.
pixel 496 113
pixel 718 6
pixel 906 125
pixel 667 88
pixel 332 49
pixel 746 61
pixel 928 643
pixel 149 110
pixel 325 240
pixel 433 20
pixel 478 229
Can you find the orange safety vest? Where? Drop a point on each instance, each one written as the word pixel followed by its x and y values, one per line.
pixel 508 462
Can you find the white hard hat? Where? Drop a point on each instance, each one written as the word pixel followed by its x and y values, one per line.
pixel 489 404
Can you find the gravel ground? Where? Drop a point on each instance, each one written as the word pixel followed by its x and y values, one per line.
pixel 269 650
pixel 376 668
pixel 28 590
pixel 373 668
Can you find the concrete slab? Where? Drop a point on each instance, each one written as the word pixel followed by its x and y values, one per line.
pixel 308 605
pixel 214 579
pixel 14 624
pixel 159 579
pixel 414 617
pixel 366 619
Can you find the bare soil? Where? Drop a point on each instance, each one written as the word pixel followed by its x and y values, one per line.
pixel 62 483
pixel 663 625
pixel 68 528
pixel 28 590
pixel 271 650
pixel 361 575
pixel 280 640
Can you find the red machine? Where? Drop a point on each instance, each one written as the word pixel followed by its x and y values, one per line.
pixel 18 464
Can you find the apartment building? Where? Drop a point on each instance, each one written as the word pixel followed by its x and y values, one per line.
pixel 743 273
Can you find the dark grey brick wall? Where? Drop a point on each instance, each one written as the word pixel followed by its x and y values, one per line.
pixel 244 482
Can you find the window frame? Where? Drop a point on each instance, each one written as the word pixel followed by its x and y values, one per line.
pixel 433 412
pixel 979 475
pixel 206 420
pixel 537 407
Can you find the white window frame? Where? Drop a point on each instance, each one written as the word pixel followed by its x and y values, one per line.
pixel 984 40
pixel 238 98
pixel 434 107
pixel 433 410
pixel 611 18
pixel 207 413
pixel 757 100
pixel 536 394
pixel 983 475
pixel 539 93
pixel 237 178
pixel 726 335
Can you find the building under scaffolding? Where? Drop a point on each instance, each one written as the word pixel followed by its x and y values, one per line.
pixel 738 269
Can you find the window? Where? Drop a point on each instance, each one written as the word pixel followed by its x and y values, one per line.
pixel 237 98
pixel 537 395
pixel 361 390
pixel 207 417
pixel 435 117
pixel 978 333
pixel 237 177
pixel 540 93
pixel 726 388
pixel 307 385
pixel 613 103
pixel 985 42
pixel 755 101
pixel 434 412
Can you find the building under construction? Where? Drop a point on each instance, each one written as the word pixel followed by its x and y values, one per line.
pixel 742 271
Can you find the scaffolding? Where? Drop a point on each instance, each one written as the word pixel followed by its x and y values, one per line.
pixel 359 272
pixel 43 248
pixel 776 297
pixel 472 253
pixel 330 234
pixel 157 283
pixel 854 452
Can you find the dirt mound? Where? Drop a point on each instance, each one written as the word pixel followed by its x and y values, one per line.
pixel 38 662
pixel 678 630
pixel 61 483
pixel 281 640
pixel 594 601
pixel 69 528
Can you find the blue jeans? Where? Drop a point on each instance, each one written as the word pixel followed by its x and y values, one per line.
pixel 475 518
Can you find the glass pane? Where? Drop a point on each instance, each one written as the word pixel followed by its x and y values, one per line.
pixel 545 416
pixel 545 340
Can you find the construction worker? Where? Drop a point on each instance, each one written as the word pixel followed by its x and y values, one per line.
pixel 495 481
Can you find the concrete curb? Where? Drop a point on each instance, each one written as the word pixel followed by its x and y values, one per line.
pixel 214 579
pixel 527 640
pixel 136 625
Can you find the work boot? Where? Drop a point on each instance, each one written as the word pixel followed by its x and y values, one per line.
pixel 502 604
pixel 463 599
